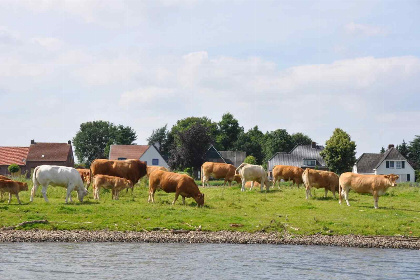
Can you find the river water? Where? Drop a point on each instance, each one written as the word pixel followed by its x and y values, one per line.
pixel 202 261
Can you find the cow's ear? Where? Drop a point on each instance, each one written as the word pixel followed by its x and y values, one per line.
pixel 386 176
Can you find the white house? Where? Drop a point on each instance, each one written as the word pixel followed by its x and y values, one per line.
pixel 389 162
pixel 147 153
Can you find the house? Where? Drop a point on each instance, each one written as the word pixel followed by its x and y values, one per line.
pixel 213 155
pixel 147 153
pixel 389 162
pixel 304 156
pixel 235 158
pixel 12 155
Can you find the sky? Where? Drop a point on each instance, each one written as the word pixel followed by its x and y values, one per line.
pixel 304 66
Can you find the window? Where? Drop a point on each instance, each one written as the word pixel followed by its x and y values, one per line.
pixel 408 178
pixel 155 161
pixel 309 162
pixel 398 164
pixel 122 158
pixel 403 164
pixel 391 164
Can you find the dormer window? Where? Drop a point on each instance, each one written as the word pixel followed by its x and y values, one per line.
pixel 309 162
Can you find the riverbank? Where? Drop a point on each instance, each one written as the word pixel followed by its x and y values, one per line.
pixel 230 237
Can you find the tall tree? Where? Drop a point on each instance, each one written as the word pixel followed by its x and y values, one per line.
pixel 276 141
pixel 382 150
pixel 339 152
pixel 414 152
pixel 229 131
pixel 161 138
pixel 250 142
pixel 186 123
pixel 192 146
pixel 403 149
pixel 300 139
pixel 93 139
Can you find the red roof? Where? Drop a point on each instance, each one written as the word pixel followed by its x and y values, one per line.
pixel 127 151
pixel 13 155
pixel 49 152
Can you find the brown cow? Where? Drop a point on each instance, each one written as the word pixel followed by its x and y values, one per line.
pixel 152 168
pixel 251 184
pixel 287 173
pixel 217 171
pixel 1 192
pixel 130 169
pixel 12 187
pixel 116 184
pixel 374 184
pixel 180 184
pixel 85 175
pixel 320 179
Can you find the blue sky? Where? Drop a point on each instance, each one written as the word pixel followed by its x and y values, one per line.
pixel 304 66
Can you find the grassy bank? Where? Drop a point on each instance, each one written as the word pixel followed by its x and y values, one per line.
pixel 283 209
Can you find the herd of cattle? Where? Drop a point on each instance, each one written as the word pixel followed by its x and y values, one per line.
pixel 117 175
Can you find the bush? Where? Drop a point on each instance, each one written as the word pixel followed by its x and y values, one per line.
pixel 13 168
pixel 250 160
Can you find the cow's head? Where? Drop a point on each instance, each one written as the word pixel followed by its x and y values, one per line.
pixel 200 199
pixel 23 187
pixel 237 178
pixel 81 193
pixel 129 183
pixel 392 179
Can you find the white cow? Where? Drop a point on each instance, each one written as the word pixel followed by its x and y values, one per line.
pixel 60 176
pixel 249 172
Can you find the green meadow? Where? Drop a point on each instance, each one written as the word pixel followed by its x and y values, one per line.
pixel 283 209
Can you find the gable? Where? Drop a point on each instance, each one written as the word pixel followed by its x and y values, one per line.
pixel 297 155
pixel 49 152
pixel 127 151
pixel 367 162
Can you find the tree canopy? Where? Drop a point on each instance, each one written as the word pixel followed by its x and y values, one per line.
pixel 229 131
pixel 414 152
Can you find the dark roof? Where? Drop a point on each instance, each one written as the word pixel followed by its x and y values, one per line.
pixel 13 155
pixel 49 152
pixel 296 156
pixel 235 158
pixel 213 154
pixel 369 161
pixel 127 151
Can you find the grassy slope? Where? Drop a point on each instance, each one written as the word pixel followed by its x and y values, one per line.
pixel 279 210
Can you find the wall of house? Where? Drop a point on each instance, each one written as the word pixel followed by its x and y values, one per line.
pixel 151 154
pixel 400 172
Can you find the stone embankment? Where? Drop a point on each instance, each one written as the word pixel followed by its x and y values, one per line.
pixel 232 237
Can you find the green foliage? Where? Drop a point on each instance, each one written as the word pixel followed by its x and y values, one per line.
pixel 250 160
pixel 161 137
pixel 13 168
pixel 339 152
pixel 403 149
pixel 93 140
pixel 414 152
pixel 300 139
pixel 382 150
pixel 229 131
pixel 276 141
pixel 251 143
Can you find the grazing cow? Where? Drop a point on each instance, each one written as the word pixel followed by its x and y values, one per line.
pixel 60 176
pixel 374 184
pixel 116 184
pixel 85 175
pixel 249 172
pixel 12 187
pixel 180 184
pixel 152 168
pixel 251 184
pixel 320 179
pixel 217 171
pixel 287 173
pixel 130 169
pixel 1 192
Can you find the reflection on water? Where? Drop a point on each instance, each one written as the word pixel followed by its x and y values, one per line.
pixel 202 261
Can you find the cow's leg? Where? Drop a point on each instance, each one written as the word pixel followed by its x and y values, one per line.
pixel 308 192
pixel 44 193
pixel 151 195
pixel 243 185
pixel 10 198
pixel 262 186
pixel 326 192
pixel 376 198
pixel 183 200
pixel 346 195
pixel 176 197
pixel 17 196
pixel 68 196
pixel 34 188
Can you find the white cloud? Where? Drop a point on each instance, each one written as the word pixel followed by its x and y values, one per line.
pixel 140 97
pixel 8 37
pixel 49 43
pixel 368 30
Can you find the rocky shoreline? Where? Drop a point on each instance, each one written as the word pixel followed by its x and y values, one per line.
pixel 229 237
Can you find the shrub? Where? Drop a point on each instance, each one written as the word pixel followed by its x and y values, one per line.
pixel 13 168
pixel 250 160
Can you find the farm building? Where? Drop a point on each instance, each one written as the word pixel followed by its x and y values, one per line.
pixel 231 157
pixel 304 156
pixel 381 164
pixel 12 155
pixel 147 153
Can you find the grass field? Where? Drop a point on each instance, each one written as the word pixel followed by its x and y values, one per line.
pixel 282 209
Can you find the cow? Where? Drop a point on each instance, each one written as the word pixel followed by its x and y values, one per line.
pixel 130 169
pixel 180 184
pixel 85 175
pixel 251 184
pixel 287 173
pixel 250 172
pixel 1 192
pixel 116 184
pixel 12 187
pixel 60 176
pixel 320 179
pixel 217 171
pixel 151 169
pixel 374 184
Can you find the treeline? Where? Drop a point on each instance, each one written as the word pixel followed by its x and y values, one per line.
pixel 411 152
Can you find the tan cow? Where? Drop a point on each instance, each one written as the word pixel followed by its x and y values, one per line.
pixel 250 172
pixel 287 173
pixel 374 184
pixel 116 184
pixel 85 175
pixel 217 171
pixel 152 168
pixel 251 184
pixel 12 187
pixel 1 192
pixel 320 179
pixel 180 184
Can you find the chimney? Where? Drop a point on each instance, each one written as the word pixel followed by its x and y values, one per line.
pixel 313 145
pixel 390 146
pixel 32 141
pixel 69 142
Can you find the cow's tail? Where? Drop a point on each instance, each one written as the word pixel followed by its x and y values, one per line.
pixel 90 176
pixel 202 175
pixel 339 192
pixel 34 177
pixel 239 167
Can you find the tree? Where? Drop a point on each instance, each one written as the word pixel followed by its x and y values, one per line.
pixel 300 139
pixel 339 152
pixel 414 152
pixel 250 160
pixel 403 149
pixel 162 138
pixel 228 134
pixel 93 140
pixel 13 168
pixel 191 148
pixel 250 142
pixel 276 141
pixel 186 123
pixel 382 150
